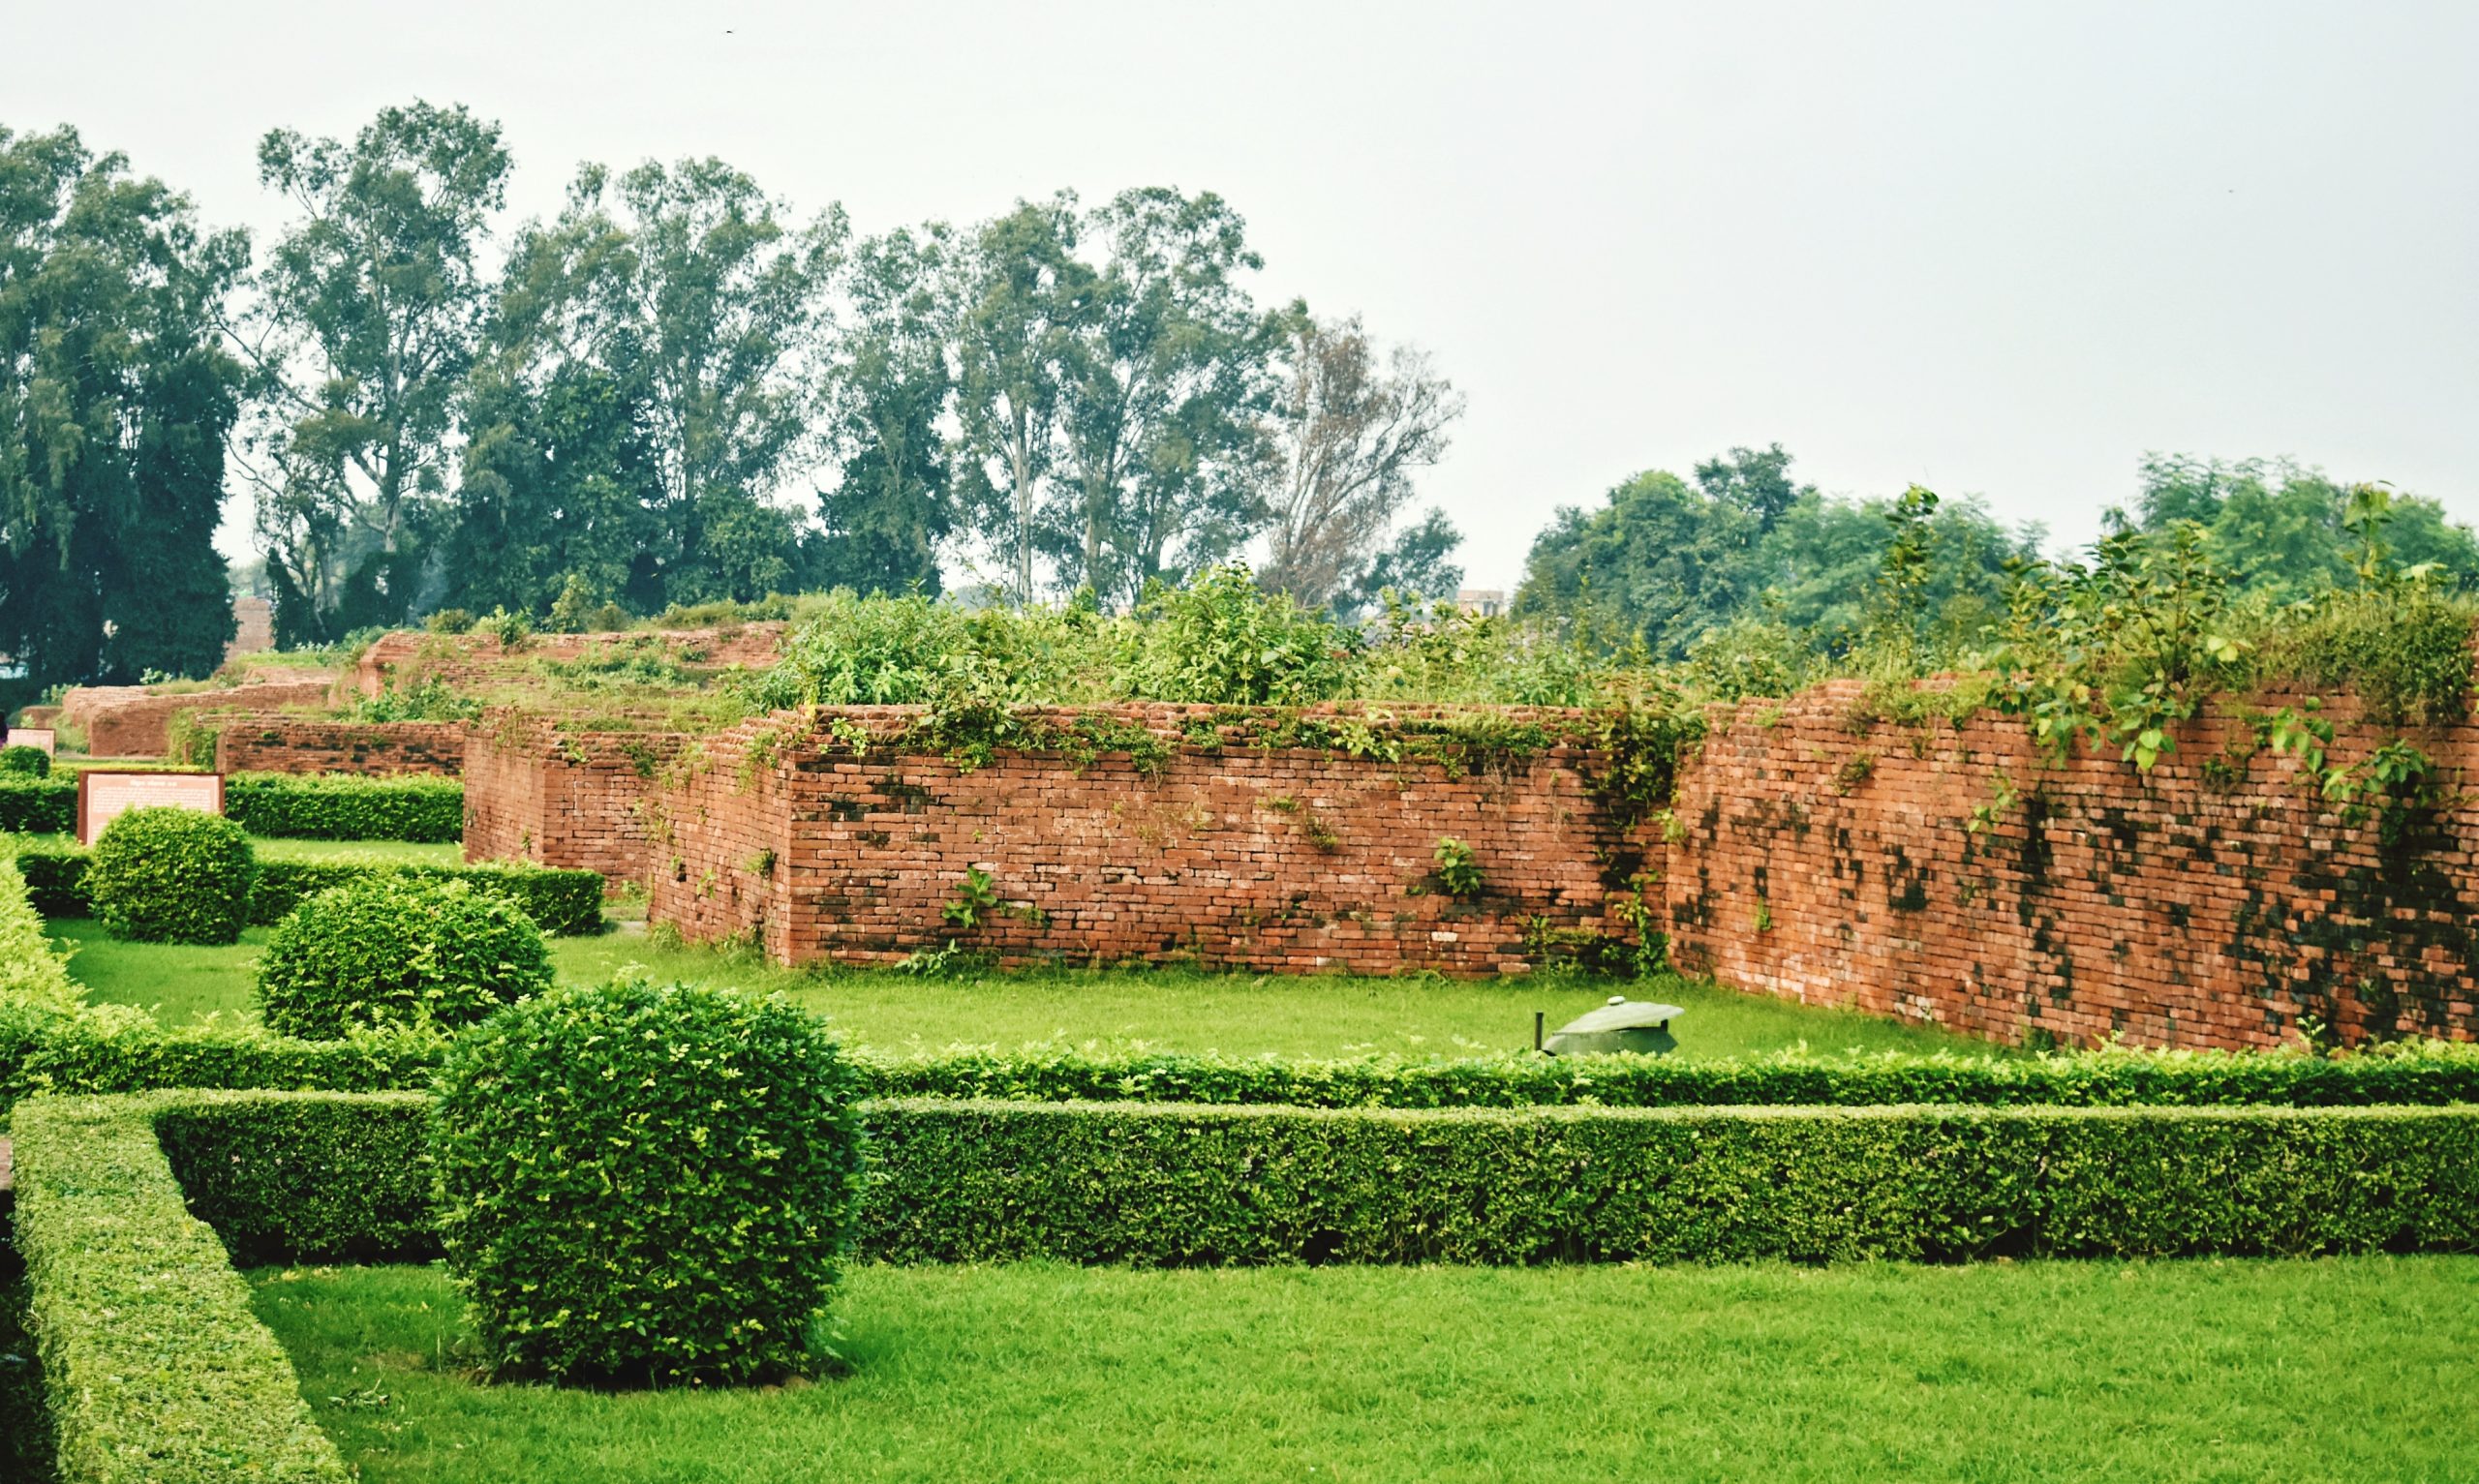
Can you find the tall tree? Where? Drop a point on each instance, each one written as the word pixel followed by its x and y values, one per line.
pixel 1351 426
pixel 371 303
pixel 116 399
pixel 701 313
pixel 1021 295
pixel 891 508
pixel 1166 382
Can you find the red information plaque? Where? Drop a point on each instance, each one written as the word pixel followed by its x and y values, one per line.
pixel 103 794
pixel 46 738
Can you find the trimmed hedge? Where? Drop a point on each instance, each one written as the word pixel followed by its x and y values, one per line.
pixel 342 806
pixel 647 1183
pixel 38 806
pixel 153 1364
pixel 2406 1072
pixel 399 951
pixel 113 1050
pixel 33 974
pixel 1154 1185
pixel 565 903
pixel 165 874
pixel 334 806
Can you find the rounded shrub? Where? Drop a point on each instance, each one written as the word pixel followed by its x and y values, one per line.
pixel 165 874
pixel 398 949
pixel 645 1184
pixel 25 762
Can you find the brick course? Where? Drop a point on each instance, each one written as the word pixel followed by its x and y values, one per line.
pixel 379 749
pixel 131 721
pixel 2212 902
pixel 1292 860
pixel 534 792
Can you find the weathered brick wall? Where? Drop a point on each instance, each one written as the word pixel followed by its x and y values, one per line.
pixel 1280 860
pixel 558 798
pixel 385 749
pixel 129 720
pixel 2212 902
pixel 471 661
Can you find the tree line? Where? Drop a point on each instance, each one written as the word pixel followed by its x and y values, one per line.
pixel 673 391
pixel 1741 557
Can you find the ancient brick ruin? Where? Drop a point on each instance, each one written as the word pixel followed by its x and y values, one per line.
pixel 297 745
pixel 536 791
pixel 1939 873
pixel 2212 902
pixel 1289 860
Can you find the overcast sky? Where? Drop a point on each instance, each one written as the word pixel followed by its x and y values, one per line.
pixel 1997 249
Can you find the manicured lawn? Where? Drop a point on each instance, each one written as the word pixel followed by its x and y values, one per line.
pixel 1175 1009
pixel 2341 1370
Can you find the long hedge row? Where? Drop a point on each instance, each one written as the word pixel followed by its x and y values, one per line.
pixel 114 1051
pixel 155 1368
pixel 425 811
pixel 1167 1185
pixel 153 1365
pixel 564 902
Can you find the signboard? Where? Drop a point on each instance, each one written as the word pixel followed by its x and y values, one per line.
pixel 44 737
pixel 102 794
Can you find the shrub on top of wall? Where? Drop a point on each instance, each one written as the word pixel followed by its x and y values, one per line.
pixel 647 1184
pixel 164 874
pixel 424 810
pixel 565 903
pixel 398 951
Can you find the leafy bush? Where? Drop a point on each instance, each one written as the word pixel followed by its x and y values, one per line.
pixel 1457 871
pixel 1164 1185
pixel 164 874
pixel 19 761
pixel 341 806
pixel 32 971
pixel 392 950
pixel 647 1183
pixel 30 805
pixel 1222 641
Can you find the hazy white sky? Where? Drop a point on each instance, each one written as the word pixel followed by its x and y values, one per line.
pixel 2001 249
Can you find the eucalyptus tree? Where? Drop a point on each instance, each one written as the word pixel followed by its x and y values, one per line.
pixel 887 399
pixel 1166 385
pixel 1021 295
pixel 116 399
pixel 699 315
pixel 1351 427
pixel 369 312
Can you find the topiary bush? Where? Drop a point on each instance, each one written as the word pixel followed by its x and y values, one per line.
pixel 24 762
pixel 393 950
pixel 165 874
pixel 647 1184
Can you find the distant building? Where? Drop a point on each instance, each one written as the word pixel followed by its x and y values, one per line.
pixel 254 618
pixel 1482 602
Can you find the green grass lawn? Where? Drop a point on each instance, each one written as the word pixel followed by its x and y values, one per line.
pixel 1171 1008
pixel 2299 1371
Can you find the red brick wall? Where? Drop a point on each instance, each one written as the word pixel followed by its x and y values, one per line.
pixel 2211 903
pixel 372 749
pixel 466 661
pixel 562 799
pixel 1292 860
pixel 129 720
